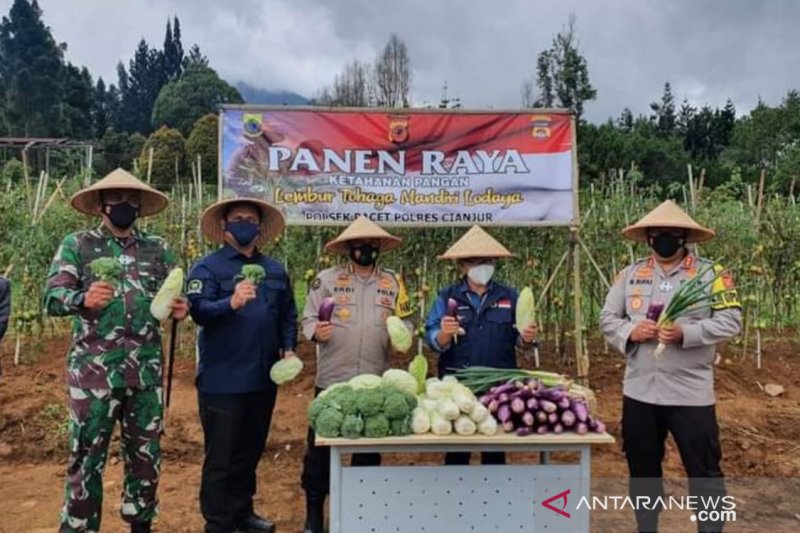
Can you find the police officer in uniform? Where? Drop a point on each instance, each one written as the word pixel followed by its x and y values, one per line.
pixel 483 334
pixel 355 341
pixel 244 329
pixel 674 392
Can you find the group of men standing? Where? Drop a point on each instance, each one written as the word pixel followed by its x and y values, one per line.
pixel 114 366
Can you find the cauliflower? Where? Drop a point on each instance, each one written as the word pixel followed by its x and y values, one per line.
pixel 365 381
pixel 352 427
pixel 370 401
pixel 329 423
pixel 376 427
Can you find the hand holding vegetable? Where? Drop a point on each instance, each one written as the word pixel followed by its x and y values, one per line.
pixel 323 332
pixel 98 296
pixel 244 292
pixel 448 329
pixel 646 330
pixel 529 334
pixel 672 334
pixel 180 308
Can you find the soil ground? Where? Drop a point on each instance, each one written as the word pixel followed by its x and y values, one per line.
pixel 760 435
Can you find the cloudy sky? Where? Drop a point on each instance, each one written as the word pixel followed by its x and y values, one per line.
pixel 708 49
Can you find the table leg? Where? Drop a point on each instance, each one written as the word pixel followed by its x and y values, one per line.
pixel 335 525
pixel 544 458
pixel 585 484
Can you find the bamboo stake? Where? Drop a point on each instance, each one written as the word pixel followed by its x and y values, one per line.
pixel 149 164
pixel 760 204
pixel 702 182
pixel 691 187
pixel 17 349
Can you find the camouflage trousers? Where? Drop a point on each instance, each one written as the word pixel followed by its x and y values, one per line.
pixel 93 414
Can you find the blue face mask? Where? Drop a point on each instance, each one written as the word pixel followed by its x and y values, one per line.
pixel 243 231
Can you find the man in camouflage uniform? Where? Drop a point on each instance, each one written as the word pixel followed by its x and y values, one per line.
pixel 355 341
pixel 114 366
pixel 672 392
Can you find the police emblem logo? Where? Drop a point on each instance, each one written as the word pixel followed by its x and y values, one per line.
pixel 194 286
pixel 344 313
pixel 636 303
pixel 398 130
pixel 316 284
pixel 540 127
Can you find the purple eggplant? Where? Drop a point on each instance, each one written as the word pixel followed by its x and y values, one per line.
pixel 452 308
pixel 655 310
pixel 541 417
pixel 591 422
pixel 564 403
pixel 527 418
pixel 524 393
pixel 504 413
pixel 493 406
pixel 508 426
pixel 542 430
pixel 581 411
pixel 325 311
pixel 505 388
pixel 552 418
pixel 532 404
pixel 503 398
pixel 518 405
pixel 486 399
pixel 558 428
pixel 524 431
pixel 548 406
pixel 581 428
pixel 555 394
pixel 600 427
pixel 568 418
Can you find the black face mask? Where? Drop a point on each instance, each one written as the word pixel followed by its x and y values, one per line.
pixel 121 215
pixel 665 244
pixel 368 255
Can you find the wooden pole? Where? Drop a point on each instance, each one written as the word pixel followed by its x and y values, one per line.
pixel 760 203
pixel 701 183
pixel 582 360
pixel 149 164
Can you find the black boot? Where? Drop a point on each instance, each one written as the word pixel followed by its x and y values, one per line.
pixel 144 527
pixel 315 513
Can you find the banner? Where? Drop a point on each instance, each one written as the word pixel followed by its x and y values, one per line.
pixel 410 168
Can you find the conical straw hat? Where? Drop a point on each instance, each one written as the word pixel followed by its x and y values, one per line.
pixel 363 228
pixel 89 200
pixel 668 215
pixel 476 243
pixel 272 221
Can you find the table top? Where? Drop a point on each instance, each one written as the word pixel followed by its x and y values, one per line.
pixel 501 438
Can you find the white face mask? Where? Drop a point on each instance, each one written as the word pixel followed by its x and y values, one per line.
pixel 481 274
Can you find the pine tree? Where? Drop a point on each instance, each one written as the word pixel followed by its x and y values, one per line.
pixel 664 110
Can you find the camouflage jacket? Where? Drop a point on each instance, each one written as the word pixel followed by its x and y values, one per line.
pixel 120 345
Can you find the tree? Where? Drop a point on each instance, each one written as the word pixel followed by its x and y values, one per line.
pixel 625 120
pixel 392 75
pixel 195 58
pixel 119 149
pixel 77 103
pixel 101 110
pixel 173 51
pixel 168 156
pixel 562 75
pixel 664 110
pixel 31 70
pixel 198 92
pixel 203 141
pixel 350 88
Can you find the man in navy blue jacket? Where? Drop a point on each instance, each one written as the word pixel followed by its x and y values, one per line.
pixel 244 329
pixel 483 333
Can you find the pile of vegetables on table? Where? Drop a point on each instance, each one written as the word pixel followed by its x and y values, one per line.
pixel 448 406
pixel 366 406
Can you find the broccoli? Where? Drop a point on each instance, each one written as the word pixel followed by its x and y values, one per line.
pixel 401 427
pixel 329 423
pixel 106 269
pixel 352 427
pixel 344 398
pixel 314 409
pixel 395 406
pixel 376 427
pixel 411 401
pixel 370 401
pixel 253 273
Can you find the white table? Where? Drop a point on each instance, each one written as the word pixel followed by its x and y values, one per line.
pixel 462 499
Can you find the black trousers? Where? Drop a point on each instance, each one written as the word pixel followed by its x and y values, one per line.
pixel 235 427
pixel 695 430
pixel 316 477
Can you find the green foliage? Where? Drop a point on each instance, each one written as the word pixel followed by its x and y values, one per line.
pixel 199 91
pixel 203 141
pixel 168 156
